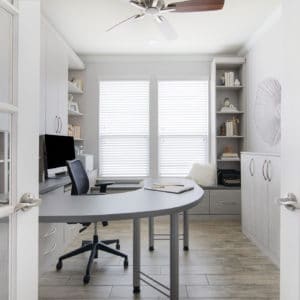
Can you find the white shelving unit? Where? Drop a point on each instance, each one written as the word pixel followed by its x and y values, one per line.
pixel 75 117
pixel 237 97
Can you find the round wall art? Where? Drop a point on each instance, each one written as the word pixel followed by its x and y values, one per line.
pixel 267 114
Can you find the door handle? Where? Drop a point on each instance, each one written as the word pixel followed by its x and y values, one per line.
pixel 290 202
pixel 28 201
pixel 251 167
pixel 57 124
pixel 269 171
pixel 264 170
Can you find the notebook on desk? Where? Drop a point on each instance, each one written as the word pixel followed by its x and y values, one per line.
pixel 169 187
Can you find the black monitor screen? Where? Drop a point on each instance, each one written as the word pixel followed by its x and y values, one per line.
pixel 58 150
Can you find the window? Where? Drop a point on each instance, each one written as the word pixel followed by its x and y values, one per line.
pixel 182 126
pixel 179 132
pixel 124 129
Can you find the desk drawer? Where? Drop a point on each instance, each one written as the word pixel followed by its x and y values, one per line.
pixel 203 207
pixel 225 202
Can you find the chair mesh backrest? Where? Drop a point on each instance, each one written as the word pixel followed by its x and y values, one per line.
pixel 79 178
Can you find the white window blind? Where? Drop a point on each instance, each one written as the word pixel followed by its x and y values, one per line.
pixel 183 125
pixel 124 129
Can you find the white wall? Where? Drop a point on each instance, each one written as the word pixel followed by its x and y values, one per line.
pixel 265 59
pixel 127 67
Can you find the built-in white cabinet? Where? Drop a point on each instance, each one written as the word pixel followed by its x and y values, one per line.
pixel 54 83
pixel 260 213
pixel 54 238
pixel 219 202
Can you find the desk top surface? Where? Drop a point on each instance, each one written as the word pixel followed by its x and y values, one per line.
pixel 141 203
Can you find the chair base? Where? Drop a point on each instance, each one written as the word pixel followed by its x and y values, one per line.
pixel 94 247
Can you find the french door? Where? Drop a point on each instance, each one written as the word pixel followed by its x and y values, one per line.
pixel 19 95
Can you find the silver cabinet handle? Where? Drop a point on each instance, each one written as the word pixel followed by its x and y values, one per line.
pixel 290 202
pixel 28 201
pixel 251 167
pixel 269 170
pixel 264 170
pixel 60 124
pixel 57 124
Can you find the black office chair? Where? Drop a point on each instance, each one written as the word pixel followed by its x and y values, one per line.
pixel 81 186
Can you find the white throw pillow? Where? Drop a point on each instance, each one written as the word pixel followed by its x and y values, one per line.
pixel 203 174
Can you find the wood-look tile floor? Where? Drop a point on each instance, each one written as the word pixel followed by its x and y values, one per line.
pixel 221 264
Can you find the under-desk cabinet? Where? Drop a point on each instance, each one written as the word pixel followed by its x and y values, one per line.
pixel 260 213
pixel 220 202
pixel 54 238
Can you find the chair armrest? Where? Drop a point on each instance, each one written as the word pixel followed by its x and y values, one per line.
pixel 103 185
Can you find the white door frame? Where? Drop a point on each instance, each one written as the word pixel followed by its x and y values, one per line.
pixel 24 129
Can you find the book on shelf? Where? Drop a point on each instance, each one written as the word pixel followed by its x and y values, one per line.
pixel 229 79
pixel 229 156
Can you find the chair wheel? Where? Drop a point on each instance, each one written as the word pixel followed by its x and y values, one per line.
pixel 59 265
pixel 86 279
pixel 126 263
pixel 118 246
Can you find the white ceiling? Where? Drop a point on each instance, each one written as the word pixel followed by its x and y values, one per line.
pixel 83 24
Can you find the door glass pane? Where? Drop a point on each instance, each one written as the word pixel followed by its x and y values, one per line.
pixel 5 120
pixel 5 57
pixel 4 258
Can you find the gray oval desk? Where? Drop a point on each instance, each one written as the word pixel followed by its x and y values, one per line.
pixel 131 205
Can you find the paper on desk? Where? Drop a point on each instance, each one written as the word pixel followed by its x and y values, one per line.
pixel 169 188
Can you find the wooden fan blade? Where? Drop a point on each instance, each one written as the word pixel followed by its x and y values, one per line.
pixel 196 5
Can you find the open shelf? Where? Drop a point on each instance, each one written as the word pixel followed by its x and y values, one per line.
pixel 228 160
pixel 74 113
pixel 73 89
pixel 230 137
pixel 223 87
pixel 230 113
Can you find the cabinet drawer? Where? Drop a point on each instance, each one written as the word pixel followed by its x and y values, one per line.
pixel 203 207
pixel 225 202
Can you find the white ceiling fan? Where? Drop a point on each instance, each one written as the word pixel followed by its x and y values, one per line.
pixel 157 9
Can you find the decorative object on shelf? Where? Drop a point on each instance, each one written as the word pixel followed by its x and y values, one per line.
pixel 74 106
pixel 222 130
pixel 78 83
pixel 70 130
pixel 237 82
pixel 70 98
pixel 222 80
pixel 268 111
pixel 228 107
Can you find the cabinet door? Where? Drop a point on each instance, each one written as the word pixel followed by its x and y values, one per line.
pixel 261 204
pixel 273 171
pixel 63 92
pixel 247 188
pixel 43 81
pixel 52 82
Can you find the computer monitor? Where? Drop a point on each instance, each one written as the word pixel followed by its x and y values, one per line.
pixel 57 150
